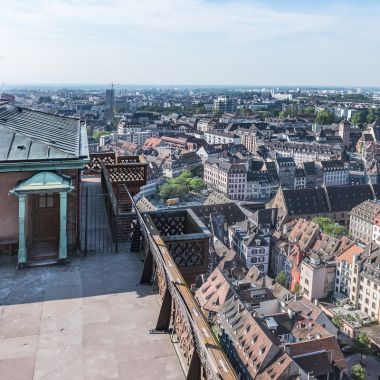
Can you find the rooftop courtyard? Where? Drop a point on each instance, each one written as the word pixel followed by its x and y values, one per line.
pixel 86 320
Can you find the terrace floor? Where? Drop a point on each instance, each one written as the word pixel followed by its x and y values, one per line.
pixel 86 320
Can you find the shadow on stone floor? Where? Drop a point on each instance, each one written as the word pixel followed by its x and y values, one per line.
pixel 89 276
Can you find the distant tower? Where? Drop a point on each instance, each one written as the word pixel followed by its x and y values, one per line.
pixel 110 103
pixel 344 133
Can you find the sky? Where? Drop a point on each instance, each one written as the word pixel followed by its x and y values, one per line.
pixel 190 42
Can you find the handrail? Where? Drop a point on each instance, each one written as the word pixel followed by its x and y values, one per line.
pixel 210 353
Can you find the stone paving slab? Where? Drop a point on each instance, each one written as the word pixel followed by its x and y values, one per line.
pixel 86 320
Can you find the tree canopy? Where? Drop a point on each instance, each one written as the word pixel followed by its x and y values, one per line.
pixel 359 118
pixel 337 321
pixel 180 187
pixel 329 227
pixel 281 279
pixel 362 344
pixel 296 288
pixel 358 372
pixel 324 117
pixel 97 134
pixel 373 114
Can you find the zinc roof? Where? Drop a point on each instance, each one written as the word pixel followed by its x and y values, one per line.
pixel 28 135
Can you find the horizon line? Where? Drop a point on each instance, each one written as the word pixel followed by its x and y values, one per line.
pixel 4 84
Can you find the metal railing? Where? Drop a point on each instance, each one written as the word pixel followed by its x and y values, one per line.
pixel 213 360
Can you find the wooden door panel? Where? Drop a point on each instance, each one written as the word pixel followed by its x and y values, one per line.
pixel 45 217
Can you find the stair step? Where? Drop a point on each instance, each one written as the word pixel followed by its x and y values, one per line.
pixel 42 262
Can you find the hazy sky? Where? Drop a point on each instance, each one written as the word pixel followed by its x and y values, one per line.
pixel 279 42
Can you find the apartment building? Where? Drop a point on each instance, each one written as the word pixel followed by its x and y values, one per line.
pixel 216 138
pixel 224 104
pixel 362 219
pixel 252 245
pixel 376 230
pixel 305 152
pixel 261 185
pixel 334 173
pixel 286 170
pixel 249 139
pixel 228 178
pixel 203 125
pixel 139 137
pixel 344 287
pixel 317 277
pixel 365 288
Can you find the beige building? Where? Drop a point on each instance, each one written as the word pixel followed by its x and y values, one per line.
pixel 249 140
pixel 317 278
pixel 365 289
pixel 362 220
pixel 228 178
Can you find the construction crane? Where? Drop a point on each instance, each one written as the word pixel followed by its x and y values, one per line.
pixel 113 84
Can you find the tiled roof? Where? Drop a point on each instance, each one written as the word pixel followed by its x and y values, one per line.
pixel 281 367
pixel 317 364
pixel 328 344
pixel 349 254
pixel 254 343
pixel 212 295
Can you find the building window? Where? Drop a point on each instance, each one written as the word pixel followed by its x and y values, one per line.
pixel 46 200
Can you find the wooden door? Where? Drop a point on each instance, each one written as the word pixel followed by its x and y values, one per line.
pixel 45 218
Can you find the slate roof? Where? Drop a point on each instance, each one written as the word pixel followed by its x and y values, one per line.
pixel 309 168
pixel 332 165
pixel 306 201
pixel 218 217
pixel 28 135
pixel 376 190
pixel 285 161
pixel 345 198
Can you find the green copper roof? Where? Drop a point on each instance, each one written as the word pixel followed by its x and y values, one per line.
pixel 28 135
pixel 43 182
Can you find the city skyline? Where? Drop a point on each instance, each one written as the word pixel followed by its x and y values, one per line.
pixel 190 43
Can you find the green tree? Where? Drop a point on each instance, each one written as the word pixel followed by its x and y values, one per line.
pixel 196 184
pixel 358 372
pixel 359 118
pixel 281 279
pixel 179 187
pixel 337 321
pixel 296 288
pixel 246 111
pixel 201 109
pixel 309 111
pixel 372 115
pixel 329 227
pixel 362 345
pixel 98 134
pixel 324 117
pixel 173 190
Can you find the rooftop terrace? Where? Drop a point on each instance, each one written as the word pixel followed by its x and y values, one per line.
pixel 86 320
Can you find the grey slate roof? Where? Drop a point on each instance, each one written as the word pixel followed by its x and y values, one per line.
pixel 28 135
